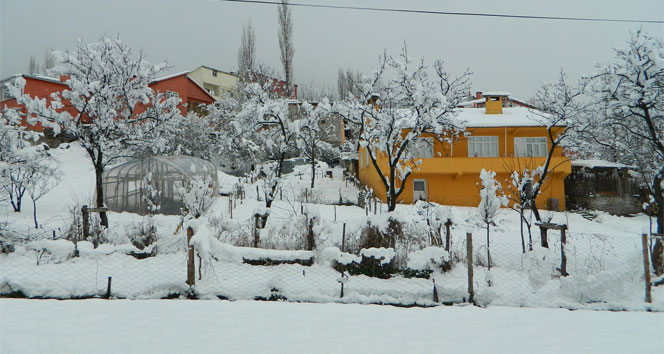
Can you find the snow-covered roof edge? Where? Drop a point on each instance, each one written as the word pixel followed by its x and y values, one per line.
pixel 598 163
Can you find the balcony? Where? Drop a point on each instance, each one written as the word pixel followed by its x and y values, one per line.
pixel 501 165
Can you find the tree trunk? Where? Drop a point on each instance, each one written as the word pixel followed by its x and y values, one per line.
pixel 34 213
pixel 488 253
pixel 391 193
pixel 99 171
pixel 657 255
pixel 313 167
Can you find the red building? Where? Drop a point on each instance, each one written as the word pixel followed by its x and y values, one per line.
pixel 191 94
pixel 180 85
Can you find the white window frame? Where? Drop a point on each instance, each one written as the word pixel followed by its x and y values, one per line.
pixel 536 146
pixel 483 146
pixel 425 190
pixel 170 94
pixel 422 148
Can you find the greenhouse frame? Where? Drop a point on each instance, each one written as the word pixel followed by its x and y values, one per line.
pixel 127 185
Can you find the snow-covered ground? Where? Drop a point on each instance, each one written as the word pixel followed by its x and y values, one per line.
pixel 603 255
pixel 161 326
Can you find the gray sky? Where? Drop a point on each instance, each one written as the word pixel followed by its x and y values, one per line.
pixel 504 54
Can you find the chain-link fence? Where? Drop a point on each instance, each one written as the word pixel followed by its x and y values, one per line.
pixel 587 271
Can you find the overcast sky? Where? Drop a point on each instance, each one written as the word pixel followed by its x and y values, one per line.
pixel 515 55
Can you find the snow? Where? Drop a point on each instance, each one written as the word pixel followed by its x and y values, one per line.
pixel 511 117
pixel 123 326
pixel 604 255
pixel 495 93
pixel 597 163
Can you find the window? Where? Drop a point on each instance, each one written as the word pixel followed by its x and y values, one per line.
pixel 4 91
pixel 171 94
pixel 530 147
pixel 421 148
pixel 214 72
pixel 483 146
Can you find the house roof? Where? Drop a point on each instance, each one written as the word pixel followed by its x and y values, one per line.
pixel 36 77
pixel 186 74
pixel 598 163
pixel 211 68
pixel 495 93
pixel 511 117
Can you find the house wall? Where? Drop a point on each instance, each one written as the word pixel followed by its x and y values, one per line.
pixel 190 94
pixel 41 88
pixel 452 177
pixel 217 85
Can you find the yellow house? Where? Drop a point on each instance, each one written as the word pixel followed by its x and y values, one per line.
pixel 216 82
pixel 500 139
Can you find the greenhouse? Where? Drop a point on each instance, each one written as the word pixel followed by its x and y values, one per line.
pixel 135 185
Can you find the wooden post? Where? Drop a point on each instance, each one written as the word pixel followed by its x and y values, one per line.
pixel 469 262
pixel 375 205
pixel 258 196
pixel 230 206
pixel 335 213
pixel 108 288
pixel 343 239
pixel 448 240
pixel 191 268
pixel 543 237
pixel 563 258
pixel 86 222
pixel 646 266
pixel 306 195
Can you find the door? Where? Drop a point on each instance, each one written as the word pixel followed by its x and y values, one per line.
pixel 420 190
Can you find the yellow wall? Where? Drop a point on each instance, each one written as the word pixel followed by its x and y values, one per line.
pixel 494 105
pixel 218 85
pixel 453 178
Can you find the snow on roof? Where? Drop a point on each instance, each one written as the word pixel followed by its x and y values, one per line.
pixel 597 163
pixel 495 93
pixel 170 76
pixel 511 117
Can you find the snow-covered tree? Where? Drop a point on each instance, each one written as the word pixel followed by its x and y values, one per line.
pixel 560 108
pixel 491 199
pixel 400 102
pixel 311 131
pixel 629 98
pixel 266 121
pixel 45 178
pixel 106 85
pixel 518 194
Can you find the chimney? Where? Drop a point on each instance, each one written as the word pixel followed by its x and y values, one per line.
pixel 494 102
pixel 478 95
pixel 64 78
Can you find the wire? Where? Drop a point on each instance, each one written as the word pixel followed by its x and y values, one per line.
pixel 431 12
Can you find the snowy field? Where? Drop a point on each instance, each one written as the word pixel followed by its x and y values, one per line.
pixel 154 326
pixel 604 256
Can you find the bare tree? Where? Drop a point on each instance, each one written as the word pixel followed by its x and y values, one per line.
pixel 49 61
pixel 45 178
pixel 347 83
pixel 286 43
pixel 246 54
pixel 33 66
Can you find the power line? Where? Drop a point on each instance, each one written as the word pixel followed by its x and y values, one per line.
pixel 431 12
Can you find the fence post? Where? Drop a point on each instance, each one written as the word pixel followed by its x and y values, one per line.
pixel 230 206
pixel 191 268
pixel 646 266
pixel 563 258
pixel 343 239
pixel 375 205
pixel 108 288
pixel 448 223
pixel 335 213
pixel 469 262
pixel 86 222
